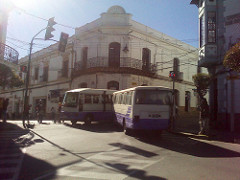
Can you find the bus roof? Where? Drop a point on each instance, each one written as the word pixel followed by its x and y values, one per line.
pixel 90 89
pixel 144 87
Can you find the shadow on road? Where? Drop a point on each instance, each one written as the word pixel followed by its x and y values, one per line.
pixel 186 145
pixel 14 162
pixel 98 127
pixel 135 173
pixel 134 150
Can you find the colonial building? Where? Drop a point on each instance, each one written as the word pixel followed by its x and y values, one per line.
pixel 219 27
pixel 113 52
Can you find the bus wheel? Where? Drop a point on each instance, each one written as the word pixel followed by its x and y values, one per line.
pixel 74 122
pixel 88 120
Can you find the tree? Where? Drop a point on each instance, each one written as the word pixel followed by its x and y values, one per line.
pixel 201 81
pixel 9 78
pixel 232 58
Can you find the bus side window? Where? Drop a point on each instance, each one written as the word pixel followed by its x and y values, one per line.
pixel 130 97
pixel 127 98
pixel 119 98
pixel 95 99
pixel 124 98
pixel 88 99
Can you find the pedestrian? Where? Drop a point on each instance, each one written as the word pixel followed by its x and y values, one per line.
pixel 40 111
pixel 59 112
pixel 204 117
pixel 4 109
pixel 53 114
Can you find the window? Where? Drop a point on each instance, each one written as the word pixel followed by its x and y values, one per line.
pixel 202 31
pixel 88 99
pixel 114 54
pixel 70 99
pixel 114 85
pixel 45 73
pixel 146 58
pixel 84 56
pixel 95 99
pixel 83 85
pixel 36 71
pixel 211 20
pixel 65 68
pixel 160 97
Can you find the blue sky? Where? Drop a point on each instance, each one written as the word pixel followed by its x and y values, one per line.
pixel 176 18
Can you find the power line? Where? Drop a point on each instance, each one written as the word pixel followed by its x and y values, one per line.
pixel 21 47
pixel 38 17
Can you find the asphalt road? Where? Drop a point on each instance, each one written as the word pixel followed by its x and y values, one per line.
pixel 102 151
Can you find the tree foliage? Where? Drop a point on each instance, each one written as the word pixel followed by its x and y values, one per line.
pixel 232 58
pixel 9 78
pixel 201 81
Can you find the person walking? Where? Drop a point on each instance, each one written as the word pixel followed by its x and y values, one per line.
pixel 40 111
pixel 53 114
pixel 204 117
pixel 4 109
pixel 59 112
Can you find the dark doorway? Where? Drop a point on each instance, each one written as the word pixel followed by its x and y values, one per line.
pixel 146 58
pixel 114 54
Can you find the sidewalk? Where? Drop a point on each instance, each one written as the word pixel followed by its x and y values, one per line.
pixel 187 125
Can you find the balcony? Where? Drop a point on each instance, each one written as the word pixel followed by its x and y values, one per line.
pixel 208 56
pixel 8 54
pixel 127 65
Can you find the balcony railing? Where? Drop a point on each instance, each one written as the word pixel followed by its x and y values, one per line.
pixel 125 62
pixel 8 54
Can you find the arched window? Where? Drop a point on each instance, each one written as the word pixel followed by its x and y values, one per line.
pixel 113 85
pixel 114 54
pixel 84 56
pixel 83 85
pixel 146 58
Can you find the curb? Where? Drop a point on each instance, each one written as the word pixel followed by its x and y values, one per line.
pixel 202 136
pixel 235 140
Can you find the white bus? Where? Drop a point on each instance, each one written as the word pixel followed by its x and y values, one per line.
pixel 87 105
pixel 143 108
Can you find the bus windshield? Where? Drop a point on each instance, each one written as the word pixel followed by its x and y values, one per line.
pixel 70 99
pixel 150 96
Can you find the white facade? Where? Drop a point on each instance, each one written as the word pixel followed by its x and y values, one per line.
pixel 113 51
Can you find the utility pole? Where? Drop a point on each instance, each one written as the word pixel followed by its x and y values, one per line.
pixel 172 74
pixel 25 107
pixel 48 35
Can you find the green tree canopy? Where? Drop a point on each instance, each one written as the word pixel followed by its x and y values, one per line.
pixel 9 78
pixel 201 81
pixel 232 58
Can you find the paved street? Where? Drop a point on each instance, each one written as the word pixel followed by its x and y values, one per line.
pixel 102 151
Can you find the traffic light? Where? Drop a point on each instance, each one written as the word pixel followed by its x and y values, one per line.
pixel 50 28
pixel 23 69
pixel 63 42
pixel 172 74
